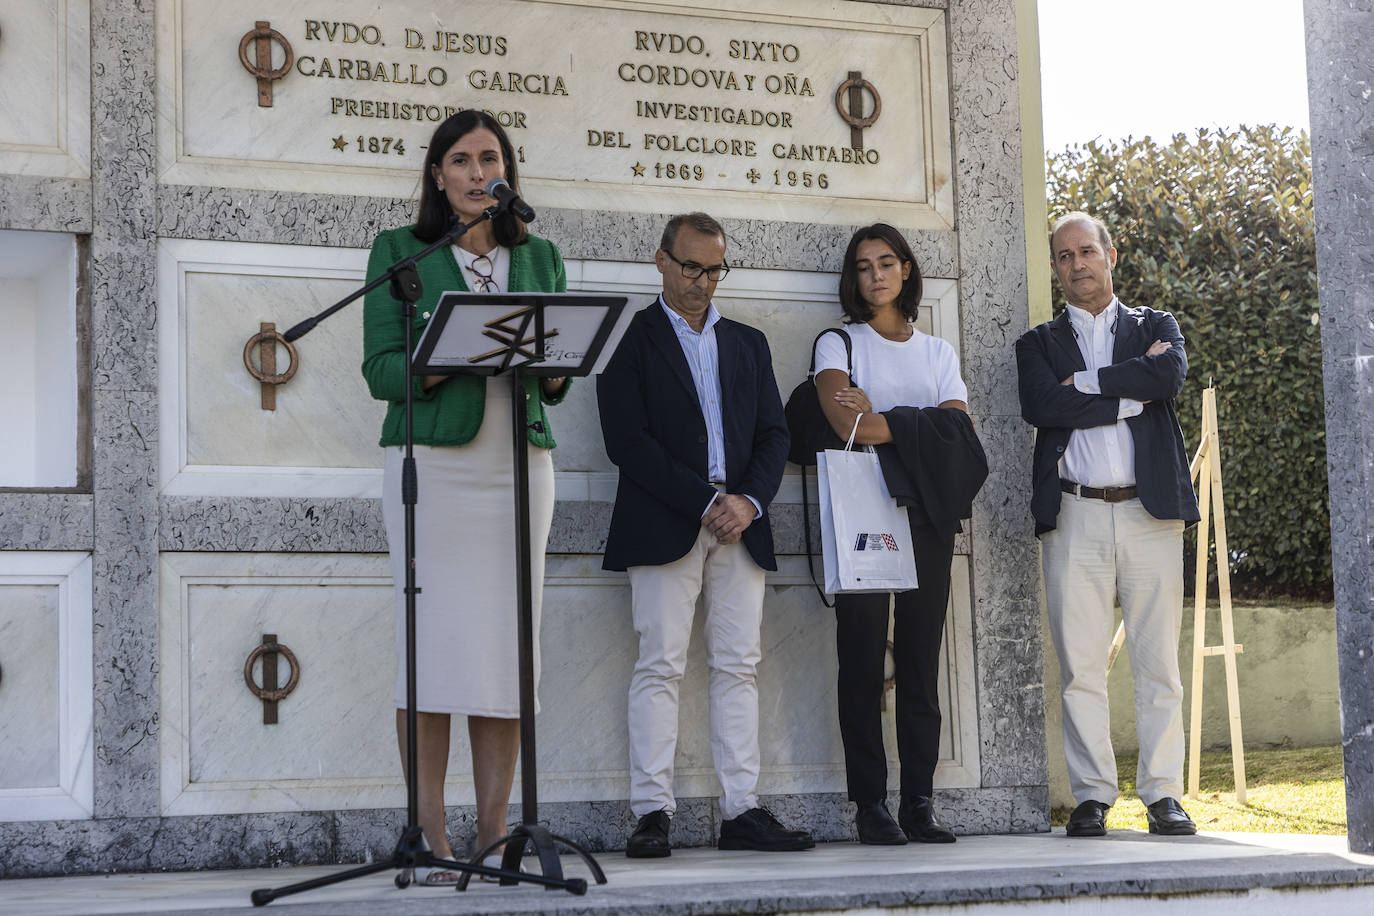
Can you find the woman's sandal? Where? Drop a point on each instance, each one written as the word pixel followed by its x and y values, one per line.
pixel 435 877
pixel 493 861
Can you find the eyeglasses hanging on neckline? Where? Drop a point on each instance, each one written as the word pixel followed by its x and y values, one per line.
pixel 483 268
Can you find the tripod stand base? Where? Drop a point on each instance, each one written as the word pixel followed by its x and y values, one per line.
pixel 543 843
pixel 412 852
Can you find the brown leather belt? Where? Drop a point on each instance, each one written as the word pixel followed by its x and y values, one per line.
pixel 1107 494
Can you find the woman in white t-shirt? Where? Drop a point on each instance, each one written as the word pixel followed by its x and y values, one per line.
pixel 894 365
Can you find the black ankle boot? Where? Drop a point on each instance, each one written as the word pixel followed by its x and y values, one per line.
pixel 876 826
pixel 917 818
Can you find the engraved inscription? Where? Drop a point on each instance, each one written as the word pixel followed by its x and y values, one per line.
pixel 767 98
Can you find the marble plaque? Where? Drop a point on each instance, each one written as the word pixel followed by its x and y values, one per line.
pixel 321 438
pixel 216 435
pixel 334 746
pixel 45 89
pixel 584 745
pixel 335 731
pixel 28 696
pixel 45 686
pixel 804 110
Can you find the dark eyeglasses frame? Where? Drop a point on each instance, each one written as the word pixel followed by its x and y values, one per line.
pixel 485 281
pixel 694 271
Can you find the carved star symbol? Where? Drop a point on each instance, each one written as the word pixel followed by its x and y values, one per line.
pixel 638 170
pixel 340 143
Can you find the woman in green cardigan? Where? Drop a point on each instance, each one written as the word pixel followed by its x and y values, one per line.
pixel 466 659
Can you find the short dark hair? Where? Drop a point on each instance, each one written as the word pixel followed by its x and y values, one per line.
pixel 435 215
pixel 701 222
pixel 1078 216
pixel 856 310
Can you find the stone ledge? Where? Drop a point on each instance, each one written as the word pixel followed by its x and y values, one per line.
pixel 978 873
pixel 323 525
pixel 32 849
pixel 45 204
pixel 46 521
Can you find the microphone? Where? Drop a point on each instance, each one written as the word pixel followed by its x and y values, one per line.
pixel 507 199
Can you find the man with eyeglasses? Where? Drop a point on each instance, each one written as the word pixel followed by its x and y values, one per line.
pixel 691 416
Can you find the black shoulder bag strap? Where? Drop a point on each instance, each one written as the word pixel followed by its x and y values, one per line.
pixel 806 506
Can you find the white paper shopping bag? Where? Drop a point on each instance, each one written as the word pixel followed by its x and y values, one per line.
pixel 865 536
pixel 828 559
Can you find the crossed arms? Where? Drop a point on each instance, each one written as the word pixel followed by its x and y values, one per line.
pixel 1048 395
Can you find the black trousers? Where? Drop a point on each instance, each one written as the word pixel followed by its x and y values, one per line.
pixel 860 642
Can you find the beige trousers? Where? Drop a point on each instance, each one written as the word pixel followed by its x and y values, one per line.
pixel 1099 553
pixel 664 600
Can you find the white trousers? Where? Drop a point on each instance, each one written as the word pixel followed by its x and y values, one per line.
pixel 664 600
pixel 1101 552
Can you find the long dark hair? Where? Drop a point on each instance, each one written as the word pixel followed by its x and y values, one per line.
pixel 435 214
pixel 856 310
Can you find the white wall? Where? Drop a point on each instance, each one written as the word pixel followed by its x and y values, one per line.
pixel 38 351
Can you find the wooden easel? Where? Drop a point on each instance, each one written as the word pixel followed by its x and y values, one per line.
pixel 1205 469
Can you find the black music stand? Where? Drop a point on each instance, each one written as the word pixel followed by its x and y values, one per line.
pixel 491 334
pixel 412 850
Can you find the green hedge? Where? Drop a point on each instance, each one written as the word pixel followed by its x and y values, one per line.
pixel 1218 229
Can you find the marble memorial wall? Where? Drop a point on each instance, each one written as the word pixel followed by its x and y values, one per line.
pixel 650 108
pixel 242 158
pixel 45 89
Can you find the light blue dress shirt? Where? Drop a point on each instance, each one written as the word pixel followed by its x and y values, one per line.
pixel 703 360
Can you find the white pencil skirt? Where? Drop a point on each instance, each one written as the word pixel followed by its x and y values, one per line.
pixel 466 630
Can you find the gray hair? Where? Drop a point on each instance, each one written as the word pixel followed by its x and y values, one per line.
pixel 1078 216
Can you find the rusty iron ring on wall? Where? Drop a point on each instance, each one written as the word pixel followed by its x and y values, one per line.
pixel 268 33
pixel 276 378
pixel 851 119
pixel 280 693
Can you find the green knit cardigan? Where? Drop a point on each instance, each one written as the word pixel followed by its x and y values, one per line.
pixel 449 413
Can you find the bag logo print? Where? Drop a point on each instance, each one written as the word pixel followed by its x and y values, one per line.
pixel 872 540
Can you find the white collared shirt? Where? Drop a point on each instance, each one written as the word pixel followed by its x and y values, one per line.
pixel 1102 456
pixel 703 361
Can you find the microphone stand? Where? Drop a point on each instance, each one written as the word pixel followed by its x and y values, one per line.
pixel 412 850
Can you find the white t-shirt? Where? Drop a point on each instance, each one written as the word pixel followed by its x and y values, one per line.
pixel 922 371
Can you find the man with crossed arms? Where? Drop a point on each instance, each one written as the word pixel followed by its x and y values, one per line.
pixel 1112 494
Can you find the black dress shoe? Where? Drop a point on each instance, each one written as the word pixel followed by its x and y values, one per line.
pixel 650 839
pixel 876 826
pixel 917 817
pixel 757 829
pixel 1088 819
pixel 1168 818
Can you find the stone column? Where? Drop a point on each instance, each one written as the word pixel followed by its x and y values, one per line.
pixel 1340 78
pixel 984 66
pixel 124 408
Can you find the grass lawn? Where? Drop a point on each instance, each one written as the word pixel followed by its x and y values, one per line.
pixel 1289 790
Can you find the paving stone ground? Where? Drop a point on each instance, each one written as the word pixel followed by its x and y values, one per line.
pixel 978 871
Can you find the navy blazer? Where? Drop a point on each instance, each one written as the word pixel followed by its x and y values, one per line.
pixel 655 433
pixel 1049 353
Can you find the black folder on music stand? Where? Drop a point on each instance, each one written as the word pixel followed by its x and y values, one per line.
pixel 521 335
